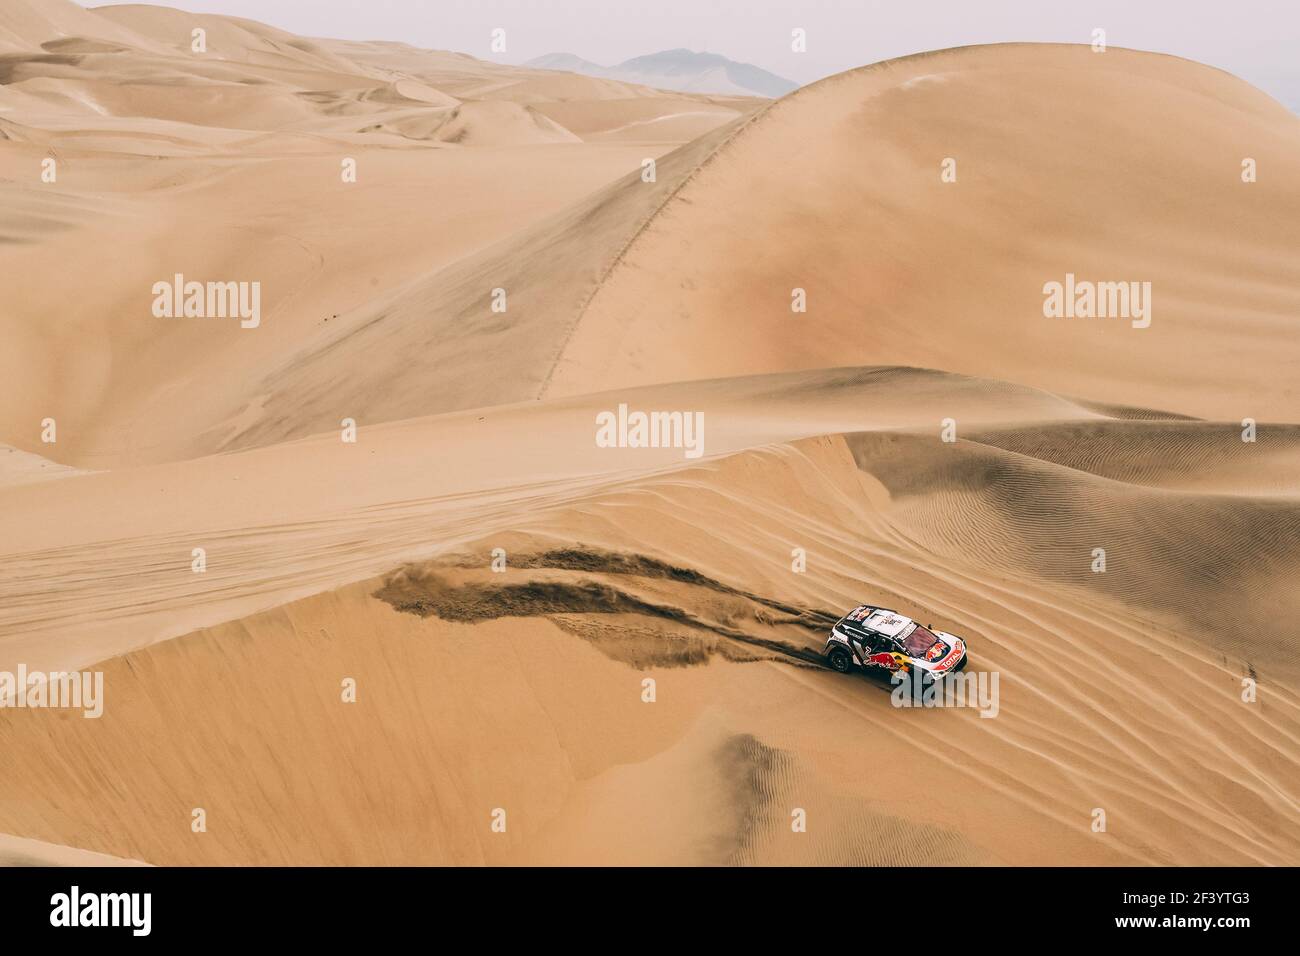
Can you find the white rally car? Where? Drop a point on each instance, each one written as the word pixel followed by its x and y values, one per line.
pixel 876 638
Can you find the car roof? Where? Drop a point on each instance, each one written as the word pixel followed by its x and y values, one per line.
pixel 878 620
pixel 856 613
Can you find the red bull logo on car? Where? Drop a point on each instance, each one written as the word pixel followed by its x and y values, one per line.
pixel 887 661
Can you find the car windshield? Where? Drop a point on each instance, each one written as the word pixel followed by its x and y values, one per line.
pixel 917 641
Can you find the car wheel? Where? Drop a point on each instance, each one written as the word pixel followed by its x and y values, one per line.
pixel 961 664
pixel 840 660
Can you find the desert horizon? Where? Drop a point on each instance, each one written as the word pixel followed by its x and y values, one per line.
pixel 445 462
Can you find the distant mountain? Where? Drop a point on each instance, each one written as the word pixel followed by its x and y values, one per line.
pixel 683 70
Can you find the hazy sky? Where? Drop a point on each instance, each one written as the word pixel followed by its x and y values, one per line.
pixel 1258 40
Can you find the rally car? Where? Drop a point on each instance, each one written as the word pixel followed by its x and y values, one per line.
pixel 878 639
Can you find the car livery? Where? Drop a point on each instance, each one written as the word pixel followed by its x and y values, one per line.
pixel 878 639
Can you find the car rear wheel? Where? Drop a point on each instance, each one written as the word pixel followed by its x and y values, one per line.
pixel 840 660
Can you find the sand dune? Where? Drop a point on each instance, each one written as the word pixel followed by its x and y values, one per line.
pixel 228 38
pixel 499 124
pixel 923 436
pixel 15 851
pixel 900 267
pixel 398 476
pixel 1179 456
pixel 151 138
pixel 738 703
pixel 27 25
pixel 727 636
pixel 1165 551
pixel 20 467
